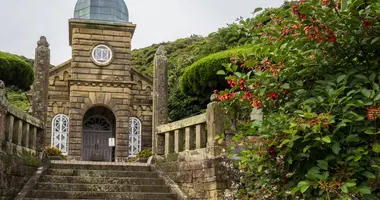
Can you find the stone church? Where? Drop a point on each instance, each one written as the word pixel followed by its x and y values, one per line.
pixel 99 107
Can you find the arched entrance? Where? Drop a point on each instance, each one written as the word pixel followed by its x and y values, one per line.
pixel 98 127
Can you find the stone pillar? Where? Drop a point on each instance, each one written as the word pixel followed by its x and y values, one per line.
pixel 215 125
pixel 160 98
pixel 3 110
pixel 41 85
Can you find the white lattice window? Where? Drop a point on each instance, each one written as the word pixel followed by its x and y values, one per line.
pixel 134 136
pixel 60 132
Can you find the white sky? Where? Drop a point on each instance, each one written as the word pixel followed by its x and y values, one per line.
pixel 24 21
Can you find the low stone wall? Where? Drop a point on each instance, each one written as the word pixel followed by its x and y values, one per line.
pixel 17 165
pixel 198 173
pixel 20 141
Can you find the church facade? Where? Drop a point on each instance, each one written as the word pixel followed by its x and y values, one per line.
pixel 99 107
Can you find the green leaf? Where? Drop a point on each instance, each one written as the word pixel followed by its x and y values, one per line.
pixel 344 189
pixel 369 175
pixel 286 86
pixel 364 189
pixel 372 77
pixel 336 147
pixel 369 131
pixel 284 142
pixel 303 183
pixel 326 139
pixel 375 40
pixel 352 138
pixel 260 168
pixel 341 78
pixel 295 190
pixel 257 10
pixel 377 97
pixel 221 72
pixel 304 188
pixel 376 148
pixel 323 164
pixel 350 183
pixel 366 93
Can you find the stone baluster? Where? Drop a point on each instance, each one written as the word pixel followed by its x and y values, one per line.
pixel 169 146
pixel 189 138
pixel 25 135
pixel 178 140
pixel 200 136
pixel 17 132
pixel 32 138
pixel 160 99
pixel 9 128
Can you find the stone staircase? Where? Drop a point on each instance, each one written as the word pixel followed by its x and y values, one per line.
pixel 101 181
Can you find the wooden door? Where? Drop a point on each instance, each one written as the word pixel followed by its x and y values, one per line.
pixel 96 133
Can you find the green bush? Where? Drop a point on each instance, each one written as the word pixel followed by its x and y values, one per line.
pixel 15 72
pixel 201 79
pixel 18 99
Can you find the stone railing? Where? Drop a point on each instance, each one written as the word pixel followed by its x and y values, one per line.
pixel 192 133
pixel 17 128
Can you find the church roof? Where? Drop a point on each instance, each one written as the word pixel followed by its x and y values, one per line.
pixel 102 10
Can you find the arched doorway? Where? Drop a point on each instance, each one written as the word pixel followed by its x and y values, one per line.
pixel 98 127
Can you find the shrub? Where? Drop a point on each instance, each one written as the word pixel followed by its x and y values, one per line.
pixel 315 75
pixel 145 153
pixel 201 79
pixel 15 72
pixel 54 151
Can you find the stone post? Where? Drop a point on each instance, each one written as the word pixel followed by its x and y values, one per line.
pixel 215 125
pixel 3 110
pixel 41 86
pixel 160 98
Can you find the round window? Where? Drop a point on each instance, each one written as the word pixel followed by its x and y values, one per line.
pixel 102 55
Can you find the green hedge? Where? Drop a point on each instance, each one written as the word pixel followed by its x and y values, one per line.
pixel 15 72
pixel 201 79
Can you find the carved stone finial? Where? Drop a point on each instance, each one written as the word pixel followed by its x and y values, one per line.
pixel 2 84
pixel 43 42
pixel 161 51
pixel 214 97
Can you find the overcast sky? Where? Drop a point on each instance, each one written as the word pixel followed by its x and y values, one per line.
pixel 24 21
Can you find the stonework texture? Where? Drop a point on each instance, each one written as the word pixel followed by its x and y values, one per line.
pixel 160 97
pixel 79 85
pixel 18 160
pixel 198 173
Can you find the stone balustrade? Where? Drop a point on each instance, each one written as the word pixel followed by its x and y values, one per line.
pixel 192 133
pixel 17 128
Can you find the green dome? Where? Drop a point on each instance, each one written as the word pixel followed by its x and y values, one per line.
pixel 102 10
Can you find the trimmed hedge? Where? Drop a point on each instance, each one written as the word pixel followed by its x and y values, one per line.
pixel 201 79
pixel 15 72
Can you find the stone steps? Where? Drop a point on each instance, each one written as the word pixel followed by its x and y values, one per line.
pixel 102 180
pixel 100 173
pixel 103 187
pixel 100 195
pixel 83 181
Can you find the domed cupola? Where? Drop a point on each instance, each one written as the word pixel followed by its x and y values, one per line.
pixel 102 10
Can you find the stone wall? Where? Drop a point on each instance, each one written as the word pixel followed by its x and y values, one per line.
pixel 20 138
pixel 198 173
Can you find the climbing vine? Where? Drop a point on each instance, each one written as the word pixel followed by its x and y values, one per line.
pixel 314 72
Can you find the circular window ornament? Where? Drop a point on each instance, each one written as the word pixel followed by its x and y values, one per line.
pixel 102 55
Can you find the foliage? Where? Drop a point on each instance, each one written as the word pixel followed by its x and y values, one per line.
pixel 54 151
pixel 18 99
pixel 145 153
pixel 181 106
pixel 201 78
pixel 15 71
pixel 29 159
pixel 314 73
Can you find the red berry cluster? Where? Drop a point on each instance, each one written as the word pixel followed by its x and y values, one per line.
pixel 373 113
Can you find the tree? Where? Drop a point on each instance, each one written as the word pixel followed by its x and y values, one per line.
pixel 15 72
